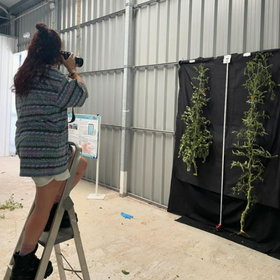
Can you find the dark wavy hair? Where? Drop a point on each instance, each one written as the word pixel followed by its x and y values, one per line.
pixel 43 52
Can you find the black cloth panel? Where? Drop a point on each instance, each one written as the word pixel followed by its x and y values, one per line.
pixel 198 197
pixel 200 208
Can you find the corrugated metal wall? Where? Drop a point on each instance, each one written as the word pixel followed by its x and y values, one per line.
pixel 101 44
pixel 26 23
pixel 5 28
pixel 7 47
pixel 166 31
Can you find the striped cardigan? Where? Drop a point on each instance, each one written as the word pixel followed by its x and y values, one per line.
pixel 42 130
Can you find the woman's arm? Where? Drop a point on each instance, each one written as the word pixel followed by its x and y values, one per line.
pixel 70 64
pixel 74 75
pixel 71 92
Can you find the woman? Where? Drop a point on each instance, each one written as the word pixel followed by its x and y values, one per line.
pixel 43 95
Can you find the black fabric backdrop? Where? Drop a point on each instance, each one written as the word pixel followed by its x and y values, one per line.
pixel 197 198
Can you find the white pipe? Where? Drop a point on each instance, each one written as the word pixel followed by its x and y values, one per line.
pixel 226 60
pixel 98 155
pixel 127 96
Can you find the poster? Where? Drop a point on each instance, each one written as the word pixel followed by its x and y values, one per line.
pixel 84 131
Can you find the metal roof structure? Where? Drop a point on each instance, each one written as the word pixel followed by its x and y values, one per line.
pixel 11 8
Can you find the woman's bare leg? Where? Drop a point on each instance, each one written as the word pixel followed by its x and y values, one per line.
pixel 81 169
pixel 44 199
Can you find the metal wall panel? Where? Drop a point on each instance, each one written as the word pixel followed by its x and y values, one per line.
pixel 151 164
pixel 102 50
pixel 105 95
pixel 152 142
pixel 208 28
pixel 101 44
pixel 90 9
pixel 105 98
pixel 154 98
pixel 7 48
pixel 156 32
pixel 237 26
pixel 222 29
pixel 254 34
pixel 196 28
pixel 109 169
pixel 27 23
pixel 5 29
pixel 271 38
pixel 184 29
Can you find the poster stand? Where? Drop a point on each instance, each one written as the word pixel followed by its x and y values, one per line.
pixel 97 195
pixel 85 131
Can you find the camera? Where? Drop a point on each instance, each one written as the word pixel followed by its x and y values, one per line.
pixel 79 61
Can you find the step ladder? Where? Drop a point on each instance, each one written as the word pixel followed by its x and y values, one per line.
pixel 55 236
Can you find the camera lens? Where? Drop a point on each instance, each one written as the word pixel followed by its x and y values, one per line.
pixel 78 60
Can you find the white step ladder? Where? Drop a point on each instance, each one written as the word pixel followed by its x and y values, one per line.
pixel 56 236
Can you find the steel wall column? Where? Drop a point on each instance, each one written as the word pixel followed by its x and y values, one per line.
pixel 127 97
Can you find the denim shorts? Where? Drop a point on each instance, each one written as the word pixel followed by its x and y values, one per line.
pixel 41 181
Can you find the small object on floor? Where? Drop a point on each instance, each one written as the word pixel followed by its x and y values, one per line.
pixel 127 216
pixel 125 272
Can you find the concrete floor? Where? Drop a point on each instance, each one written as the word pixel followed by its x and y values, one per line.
pixel 149 246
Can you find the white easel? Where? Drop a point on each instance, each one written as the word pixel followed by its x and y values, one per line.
pixel 97 195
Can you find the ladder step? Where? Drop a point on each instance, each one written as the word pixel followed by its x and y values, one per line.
pixel 63 235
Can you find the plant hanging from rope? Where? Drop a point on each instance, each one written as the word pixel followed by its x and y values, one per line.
pixel 197 138
pixel 259 84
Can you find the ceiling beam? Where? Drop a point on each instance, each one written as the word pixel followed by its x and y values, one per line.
pixel 23 5
pixel 4 8
pixel 3 5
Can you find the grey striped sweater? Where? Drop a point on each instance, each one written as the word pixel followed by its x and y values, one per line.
pixel 42 130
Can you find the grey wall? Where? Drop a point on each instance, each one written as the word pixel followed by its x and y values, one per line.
pixel 5 29
pixel 164 33
pixel 7 68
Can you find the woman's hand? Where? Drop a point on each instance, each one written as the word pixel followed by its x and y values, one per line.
pixel 70 63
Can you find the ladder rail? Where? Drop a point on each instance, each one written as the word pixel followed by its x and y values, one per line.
pixel 59 261
pixel 79 246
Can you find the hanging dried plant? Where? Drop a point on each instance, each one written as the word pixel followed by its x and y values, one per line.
pixel 197 138
pixel 259 84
